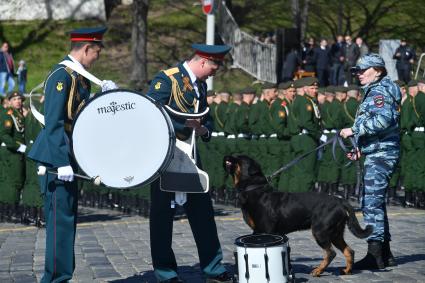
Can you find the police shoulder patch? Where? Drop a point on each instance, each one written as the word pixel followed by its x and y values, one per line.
pixel 379 101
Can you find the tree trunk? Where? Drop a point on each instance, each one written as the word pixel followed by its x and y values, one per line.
pixel 139 36
pixel 300 17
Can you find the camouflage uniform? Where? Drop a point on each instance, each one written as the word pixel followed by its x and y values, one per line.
pixel 376 130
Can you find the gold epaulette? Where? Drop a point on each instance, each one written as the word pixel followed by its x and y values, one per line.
pixel 171 71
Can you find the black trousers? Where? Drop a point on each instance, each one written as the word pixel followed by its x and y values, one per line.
pixel 200 214
pixel 403 74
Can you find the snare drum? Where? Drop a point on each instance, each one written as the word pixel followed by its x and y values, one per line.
pixel 124 137
pixel 263 258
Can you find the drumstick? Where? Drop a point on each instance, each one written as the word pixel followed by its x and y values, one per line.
pixel 42 170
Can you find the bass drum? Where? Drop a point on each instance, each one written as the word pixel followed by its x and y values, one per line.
pixel 124 137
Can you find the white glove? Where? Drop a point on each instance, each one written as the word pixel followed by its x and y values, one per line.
pixel 323 138
pixel 108 85
pixel 22 148
pixel 65 173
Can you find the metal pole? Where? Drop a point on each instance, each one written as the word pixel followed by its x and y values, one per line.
pixel 210 41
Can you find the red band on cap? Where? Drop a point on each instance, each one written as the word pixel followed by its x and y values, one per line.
pixel 210 56
pixel 88 37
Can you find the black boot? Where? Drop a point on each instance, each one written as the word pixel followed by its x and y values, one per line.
pixel 387 255
pixel 373 258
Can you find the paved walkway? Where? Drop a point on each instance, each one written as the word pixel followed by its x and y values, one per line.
pixel 115 248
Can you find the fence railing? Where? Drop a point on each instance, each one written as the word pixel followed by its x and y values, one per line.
pixel 251 55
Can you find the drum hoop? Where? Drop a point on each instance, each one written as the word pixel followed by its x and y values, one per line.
pixel 171 133
pixel 283 239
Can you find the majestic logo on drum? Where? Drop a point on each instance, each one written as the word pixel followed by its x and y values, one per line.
pixel 129 179
pixel 114 107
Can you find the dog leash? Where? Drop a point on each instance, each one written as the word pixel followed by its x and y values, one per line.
pixel 335 140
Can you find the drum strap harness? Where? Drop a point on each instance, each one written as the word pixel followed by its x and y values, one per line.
pixel 71 65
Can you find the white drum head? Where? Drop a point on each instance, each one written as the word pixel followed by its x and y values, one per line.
pixel 123 137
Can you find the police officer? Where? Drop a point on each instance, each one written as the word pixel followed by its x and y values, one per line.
pixel 181 88
pixel 405 56
pixel 376 130
pixel 65 91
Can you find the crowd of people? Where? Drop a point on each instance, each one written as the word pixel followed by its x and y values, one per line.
pixel 8 72
pixel 331 63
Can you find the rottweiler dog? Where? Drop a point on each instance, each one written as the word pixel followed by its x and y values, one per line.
pixel 268 211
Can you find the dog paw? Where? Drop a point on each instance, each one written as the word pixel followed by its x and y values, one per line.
pixel 316 272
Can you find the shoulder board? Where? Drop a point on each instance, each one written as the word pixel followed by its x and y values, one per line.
pixel 171 71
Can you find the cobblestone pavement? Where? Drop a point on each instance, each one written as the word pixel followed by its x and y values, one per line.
pixel 114 248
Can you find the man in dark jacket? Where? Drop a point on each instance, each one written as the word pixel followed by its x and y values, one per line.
pixel 405 56
pixel 351 54
pixel 323 60
pixel 292 61
pixel 337 61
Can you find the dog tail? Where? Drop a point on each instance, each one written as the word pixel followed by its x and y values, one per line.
pixel 354 225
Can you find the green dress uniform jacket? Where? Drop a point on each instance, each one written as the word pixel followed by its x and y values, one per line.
pixel 65 93
pixel 31 195
pixel 307 118
pixel 280 112
pixel 418 141
pixel 13 162
pixel 328 170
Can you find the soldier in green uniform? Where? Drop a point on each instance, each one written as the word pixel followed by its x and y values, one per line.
pixel 12 156
pixel 280 113
pixel 206 149
pixel 242 121
pixel 182 87
pixel 220 142
pixel 65 91
pixel 408 121
pixel 254 125
pixel 307 123
pixel 348 173
pixel 268 142
pixel 328 171
pixel 418 138
pixel 31 195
